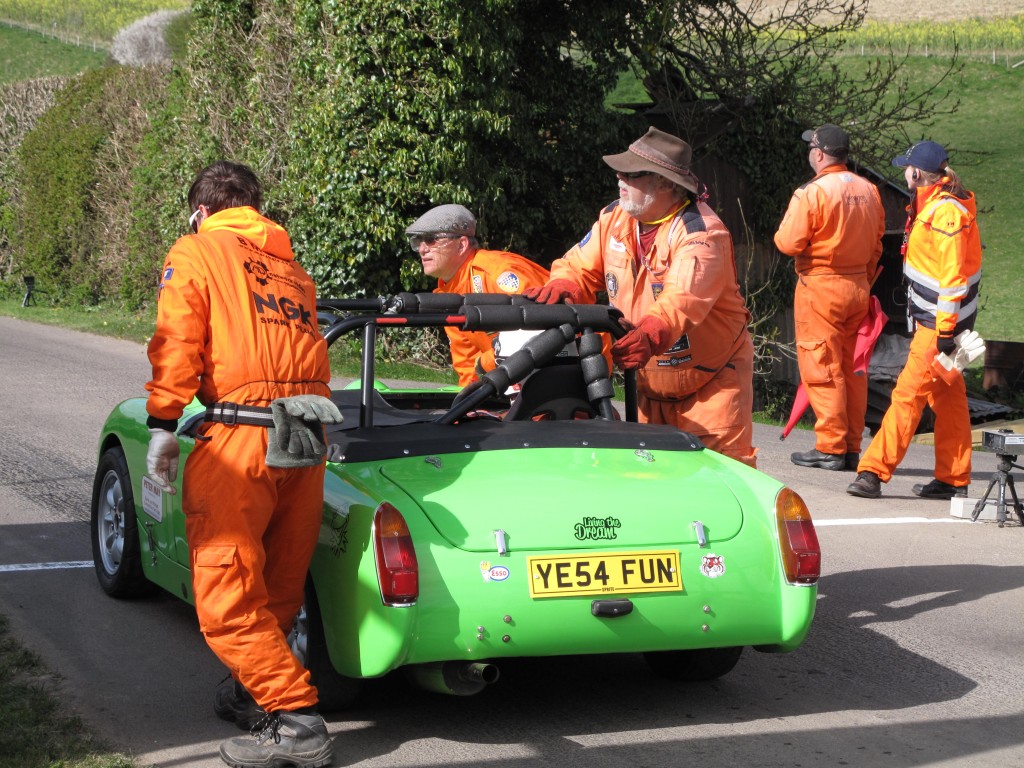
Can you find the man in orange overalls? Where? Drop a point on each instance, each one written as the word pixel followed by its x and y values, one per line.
pixel 666 261
pixel 833 230
pixel 445 239
pixel 942 268
pixel 236 327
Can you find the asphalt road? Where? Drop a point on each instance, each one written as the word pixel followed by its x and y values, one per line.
pixel 914 658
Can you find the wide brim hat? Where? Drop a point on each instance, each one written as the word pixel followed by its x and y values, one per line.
pixel 657 152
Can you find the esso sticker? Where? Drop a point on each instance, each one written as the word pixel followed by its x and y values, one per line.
pixel 493 572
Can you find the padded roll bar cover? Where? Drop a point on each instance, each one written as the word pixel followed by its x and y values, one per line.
pixel 539 350
pixel 539 317
pixel 413 303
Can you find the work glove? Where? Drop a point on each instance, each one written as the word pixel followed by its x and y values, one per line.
pixel 297 437
pixel 641 343
pixel 558 291
pixel 969 347
pixel 162 458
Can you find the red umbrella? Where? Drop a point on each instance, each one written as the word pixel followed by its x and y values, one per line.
pixel 867 334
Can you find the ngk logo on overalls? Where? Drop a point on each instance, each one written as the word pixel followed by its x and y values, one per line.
pixel 285 308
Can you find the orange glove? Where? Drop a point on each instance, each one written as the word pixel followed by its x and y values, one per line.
pixel 558 291
pixel 641 343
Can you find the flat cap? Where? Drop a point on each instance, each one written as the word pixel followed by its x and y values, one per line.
pixel 450 219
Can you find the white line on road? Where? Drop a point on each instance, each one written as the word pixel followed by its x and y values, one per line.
pixel 46 566
pixel 884 521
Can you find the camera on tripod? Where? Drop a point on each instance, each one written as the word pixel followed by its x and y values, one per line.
pixel 1006 444
pixel 1002 441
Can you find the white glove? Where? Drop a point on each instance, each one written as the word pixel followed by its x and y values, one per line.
pixel 162 459
pixel 969 347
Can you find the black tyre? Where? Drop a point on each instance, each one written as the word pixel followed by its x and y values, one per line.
pixel 307 641
pixel 694 666
pixel 116 550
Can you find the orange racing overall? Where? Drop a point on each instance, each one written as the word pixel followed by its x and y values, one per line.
pixel 236 322
pixel 833 229
pixel 486 272
pixel 703 383
pixel 942 266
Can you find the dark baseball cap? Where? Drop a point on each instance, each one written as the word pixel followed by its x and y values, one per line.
pixel 830 139
pixel 926 155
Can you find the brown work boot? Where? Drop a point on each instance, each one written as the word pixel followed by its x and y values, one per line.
pixel 282 739
pixel 867 486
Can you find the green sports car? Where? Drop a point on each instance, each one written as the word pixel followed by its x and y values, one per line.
pixel 518 517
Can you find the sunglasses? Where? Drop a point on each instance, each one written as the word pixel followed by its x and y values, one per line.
pixel 636 175
pixel 429 240
pixel 192 223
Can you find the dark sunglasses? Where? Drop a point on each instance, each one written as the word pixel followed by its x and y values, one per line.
pixel 429 240
pixel 192 223
pixel 636 175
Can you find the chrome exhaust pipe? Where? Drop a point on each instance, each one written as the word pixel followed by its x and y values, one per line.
pixel 456 678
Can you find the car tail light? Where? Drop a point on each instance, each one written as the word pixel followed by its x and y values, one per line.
pixel 798 541
pixel 397 569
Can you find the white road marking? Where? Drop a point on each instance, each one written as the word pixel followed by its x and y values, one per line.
pixel 46 566
pixel 818 523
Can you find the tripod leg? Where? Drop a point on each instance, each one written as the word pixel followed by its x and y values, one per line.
pixel 1016 502
pixel 981 502
pixel 1001 505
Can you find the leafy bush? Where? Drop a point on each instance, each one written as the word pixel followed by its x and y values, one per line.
pixel 75 176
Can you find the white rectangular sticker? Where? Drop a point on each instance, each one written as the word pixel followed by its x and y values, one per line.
pixel 152 499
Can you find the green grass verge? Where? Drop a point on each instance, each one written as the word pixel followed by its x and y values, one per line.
pixel 25 55
pixel 36 733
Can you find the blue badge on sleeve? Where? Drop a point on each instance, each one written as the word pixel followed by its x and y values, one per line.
pixel 586 239
pixel 167 273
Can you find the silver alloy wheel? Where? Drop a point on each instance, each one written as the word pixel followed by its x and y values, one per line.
pixel 110 522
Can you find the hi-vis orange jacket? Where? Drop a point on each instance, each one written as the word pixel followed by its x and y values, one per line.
pixel 233 329
pixel 834 224
pixel 486 272
pixel 943 261
pixel 688 280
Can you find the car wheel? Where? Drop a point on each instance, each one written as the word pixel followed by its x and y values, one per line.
pixel 308 643
pixel 694 666
pixel 116 551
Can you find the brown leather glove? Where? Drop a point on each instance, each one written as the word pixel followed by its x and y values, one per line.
pixel 641 343
pixel 558 291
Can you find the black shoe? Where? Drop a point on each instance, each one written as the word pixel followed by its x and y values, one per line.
pixel 851 460
pixel 233 703
pixel 816 458
pixel 937 489
pixel 282 739
pixel 867 486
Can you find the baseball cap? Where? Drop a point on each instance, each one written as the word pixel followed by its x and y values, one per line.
pixel 926 155
pixel 830 139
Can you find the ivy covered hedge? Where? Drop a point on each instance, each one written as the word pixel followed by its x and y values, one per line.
pixel 360 115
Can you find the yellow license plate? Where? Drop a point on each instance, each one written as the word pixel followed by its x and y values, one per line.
pixel 604 574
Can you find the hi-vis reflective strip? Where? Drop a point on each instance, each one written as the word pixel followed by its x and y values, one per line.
pixel 46 566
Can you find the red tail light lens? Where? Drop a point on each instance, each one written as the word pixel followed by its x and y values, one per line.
pixel 798 541
pixel 397 569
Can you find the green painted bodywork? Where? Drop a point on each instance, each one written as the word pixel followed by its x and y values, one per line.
pixel 541 498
